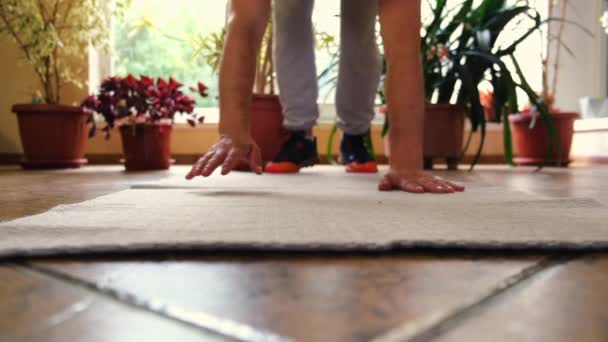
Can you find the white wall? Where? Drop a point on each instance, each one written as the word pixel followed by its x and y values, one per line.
pixel 585 73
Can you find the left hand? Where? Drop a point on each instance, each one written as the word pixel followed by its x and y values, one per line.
pixel 417 182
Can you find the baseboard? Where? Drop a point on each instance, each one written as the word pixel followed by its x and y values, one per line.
pixel 10 158
pixel 590 160
pixel 188 159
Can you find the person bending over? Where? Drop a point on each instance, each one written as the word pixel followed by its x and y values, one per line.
pixel 400 30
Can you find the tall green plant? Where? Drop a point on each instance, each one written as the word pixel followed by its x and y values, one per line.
pixel 460 49
pixel 51 34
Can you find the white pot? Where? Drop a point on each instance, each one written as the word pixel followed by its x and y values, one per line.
pixel 594 107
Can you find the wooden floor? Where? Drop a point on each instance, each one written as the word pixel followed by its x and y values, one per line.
pixel 448 296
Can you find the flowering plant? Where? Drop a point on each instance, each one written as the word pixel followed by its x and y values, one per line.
pixel 128 100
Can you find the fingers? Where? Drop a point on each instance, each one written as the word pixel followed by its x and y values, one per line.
pixel 436 185
pixel 197 168
pixel 255 160
pixel 388 183
pixel 428 185
pixel 456 186
pixel 385 184
pixel 232 160
pixel 409 186
pixel 214 162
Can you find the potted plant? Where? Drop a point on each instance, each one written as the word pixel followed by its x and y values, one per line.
pixel 144 111
pixel 548 143
pixel 51 35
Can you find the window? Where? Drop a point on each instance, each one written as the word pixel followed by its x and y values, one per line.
pixel 155 38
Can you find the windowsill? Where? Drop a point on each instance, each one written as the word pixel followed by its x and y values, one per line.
pixel 591 125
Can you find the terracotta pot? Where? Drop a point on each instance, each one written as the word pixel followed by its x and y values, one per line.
pixel 146 147
pixel 53 136
pixel 267 125
pixel 443 134
pixel 443 130
pixel 531 145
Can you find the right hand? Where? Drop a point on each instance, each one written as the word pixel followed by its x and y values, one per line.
pixel 228 154
pixel 415 181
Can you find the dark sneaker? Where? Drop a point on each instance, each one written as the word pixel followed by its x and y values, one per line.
pixel 355 155
pixel 297 152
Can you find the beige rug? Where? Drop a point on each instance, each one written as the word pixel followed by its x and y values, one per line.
pixel 321 209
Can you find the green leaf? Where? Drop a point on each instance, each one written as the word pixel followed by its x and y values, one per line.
pixel 478 120
pixel 500 20
pixel 536 101
pixel 507 139
pixel 330 145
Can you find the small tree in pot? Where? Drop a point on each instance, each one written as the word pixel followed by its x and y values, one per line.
pixel 144 111
pixel 51 35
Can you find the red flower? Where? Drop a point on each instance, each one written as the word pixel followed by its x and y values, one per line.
pixel 90 104
pixel 146 82
pixel 173 84
pixel 201 89
pixel 442 52
pixel 131 82
pixel 161 84
pixel 185 100
pixel 144 100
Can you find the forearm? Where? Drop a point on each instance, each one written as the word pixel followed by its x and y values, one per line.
pixel 237 71
pixel 400 21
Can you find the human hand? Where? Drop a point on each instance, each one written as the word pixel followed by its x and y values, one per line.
pixel 229 154
pixel 417 182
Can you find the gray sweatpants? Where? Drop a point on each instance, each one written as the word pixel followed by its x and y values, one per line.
pixel 359 70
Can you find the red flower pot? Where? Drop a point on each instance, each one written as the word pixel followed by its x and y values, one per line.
pixel 267 125
pixel 531 145
pixel 53 136
pixel 146 147
pixel 443 134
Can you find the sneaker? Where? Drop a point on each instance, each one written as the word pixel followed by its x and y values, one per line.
pixel 297 152
pixel 355 155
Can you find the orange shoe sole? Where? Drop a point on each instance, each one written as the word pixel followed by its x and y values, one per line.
pixel 369 167
pixel 283 167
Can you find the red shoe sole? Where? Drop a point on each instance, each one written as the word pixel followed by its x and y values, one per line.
pixel 284 167
pixel 369 167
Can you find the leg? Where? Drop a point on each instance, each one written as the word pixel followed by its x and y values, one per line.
pixel 295 63
pixel 294 52
pixel 360 66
